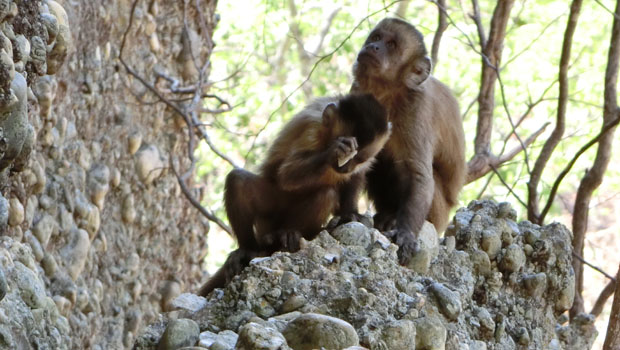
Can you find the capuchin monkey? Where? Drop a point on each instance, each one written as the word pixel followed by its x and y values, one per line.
pixel 422 168
pixel 314 169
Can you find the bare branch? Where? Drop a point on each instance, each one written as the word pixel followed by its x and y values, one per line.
pixel 612 339
pixel 476 18
pixel 208 214
pixel 499 176
pixel 325 30
pixel 441 27
pixel 594 176
pixel 533 212
pixel 605 294
pixel 477 170
pixel 568 167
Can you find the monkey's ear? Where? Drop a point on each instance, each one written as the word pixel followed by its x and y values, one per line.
pixel 330 113
pixel 420 70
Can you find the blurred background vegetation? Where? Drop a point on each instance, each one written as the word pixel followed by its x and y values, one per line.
pixel 273 56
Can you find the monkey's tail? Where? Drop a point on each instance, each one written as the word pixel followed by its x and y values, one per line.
pixel 235 263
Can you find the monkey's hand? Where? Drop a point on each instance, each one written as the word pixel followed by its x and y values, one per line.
pixel 349 217
pixel 407 244
pixel 283 240
pixel 342 150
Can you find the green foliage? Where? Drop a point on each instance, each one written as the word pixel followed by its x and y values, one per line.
pixel 258 68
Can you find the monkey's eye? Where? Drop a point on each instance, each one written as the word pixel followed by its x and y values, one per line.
pixel 375 37
pixel 391 44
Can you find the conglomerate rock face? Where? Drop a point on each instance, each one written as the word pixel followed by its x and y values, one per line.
pixel 91 245
pixel 491 284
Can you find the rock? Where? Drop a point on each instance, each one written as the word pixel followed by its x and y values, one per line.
pixel 535 284
pixel 428 248
pixel 4 213
pixel 17 131
pixel 30 288
pixel 253 336
pixel 491 243
pixel 4 287
pixel 512 259
pixel 44 228
pixel 149 164
pixel 313 331
pixel 353 233
pixel 16 212
pixel 189 302
pixel 179 333
pixel 430 334
pixel 134 142
pixel 224 340
pixel 399 334
pixel 449 301
pixel 75 252
pixel 98 184
pixel 128 210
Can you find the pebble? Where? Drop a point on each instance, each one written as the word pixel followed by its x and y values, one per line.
pixel 353 233
pixel 74 254
pixel 4 212
pixel 430 333
pixel 253 336
pixel 149 165
pixel 449 301
pixel 98 184
pixel 30 288
pixel 535 284
pixel 44 228
pixel 189 302
pixel 224 340
pixel 4 287
pixel 179 333
pixel 491 243
pixel 128 210
pixel 49 265
pixel 134 142
pixel 400 334
pixel 313 331
pixel 513 259
pixel 16 212
pixel 428 248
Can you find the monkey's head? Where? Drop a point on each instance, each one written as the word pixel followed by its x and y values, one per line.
pixel 393 54
pixel 362 117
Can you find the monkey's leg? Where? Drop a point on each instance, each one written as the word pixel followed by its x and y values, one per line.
pixel 287 240
pixel 245 195
pixel 439 214
pixel 349 194
pixel 235 263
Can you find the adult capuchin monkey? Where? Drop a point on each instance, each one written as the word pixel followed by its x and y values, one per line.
pixel 312 170
pixel 422 168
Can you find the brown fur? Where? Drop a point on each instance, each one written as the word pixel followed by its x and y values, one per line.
pixel 420 171
pixel 300 183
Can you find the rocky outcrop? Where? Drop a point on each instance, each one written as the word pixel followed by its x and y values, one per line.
pixel 491 284
pixel 91 247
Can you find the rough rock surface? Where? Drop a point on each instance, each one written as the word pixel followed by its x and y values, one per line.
pixel 477 294
pixel 90 245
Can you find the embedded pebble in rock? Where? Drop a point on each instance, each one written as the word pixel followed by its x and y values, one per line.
pixel 4 287
pixel 512 259
pixel 491 243
pixel 75 252
pixel 134 142
pixel 399 334
pixel 449 301
pixel 4 212
pixel 253 336
pixel 179 333
pixel 16 212
pixel 44 228
pixel 535 284
pixel 313 331
pixel 149 164
pixel 128 211
pixel 430 334
pixel 98 184
pixel 29 285
pixel 14 123
pixel 428 248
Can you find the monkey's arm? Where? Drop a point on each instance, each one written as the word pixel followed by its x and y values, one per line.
pixel 349 197
pixel 306 168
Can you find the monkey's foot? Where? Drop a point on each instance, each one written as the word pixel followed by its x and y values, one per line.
pixel 283 240
pixel 407 244
pixel 384 222
pixel 350 217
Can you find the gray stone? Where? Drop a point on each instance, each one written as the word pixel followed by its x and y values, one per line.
pixel 430 334
pixel 179 333
pixel 149 164
pixel 428 248
pixel 353 233
pixel 74 254
pixel 313 331
pixel 4 287
pixel 189 302
pixel 535 284
pixel 44 228
pixel 449 301
pixel 400 335
pixel 491 243
pixel 31 289
pixel 512 259
pixel 4 213
pixel 253 336
pixel 16 212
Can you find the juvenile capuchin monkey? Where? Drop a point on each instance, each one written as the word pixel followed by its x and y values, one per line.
pixel 314 169
pixel 422 168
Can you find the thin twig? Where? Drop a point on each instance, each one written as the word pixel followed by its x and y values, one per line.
pixel 594 267
pixel 508 187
